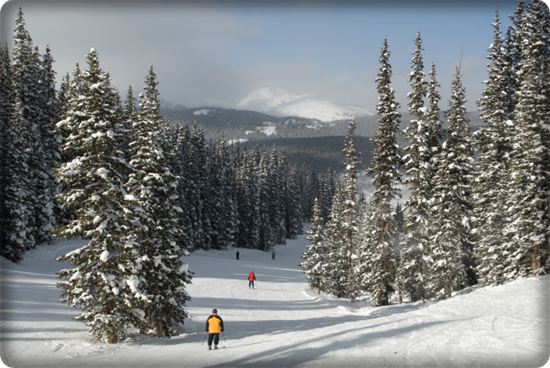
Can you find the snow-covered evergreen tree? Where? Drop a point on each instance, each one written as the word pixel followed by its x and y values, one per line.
pixel 63 95
pixel 156 269
pixel 265 196
pixel 6 105
pixel 514 45
pixel 315 260
pixel 247 204
pixel 327 189
pixel 337 262
pixel 279 175
pixel 99 283
pixel 377 243
pixel 432 116
pixel 227 206
pixel 527 204
pixel 48 114
pixel 342 228
pixel 21 136
pixel 129 117
pixel 492 175
pixel 292 203
pixel 451 241
pixel 415 257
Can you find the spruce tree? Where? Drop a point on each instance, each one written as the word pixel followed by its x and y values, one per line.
pixel 342 228
pixel 337 269
pixel 265 235
pixel 48 114
pixel 379 234
pixel 435 135
pixel 63 95
pixel 153 231
pixel 99 283
pixel 492 175
pixel 451 239
pixel 292 203
pixel 326 193
pixel 21 136
pixel 6 105
pixel 314 262
pixel 415 258
pixel 527 203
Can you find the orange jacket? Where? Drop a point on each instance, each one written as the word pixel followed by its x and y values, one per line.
pixel 251 276
pixel 214 324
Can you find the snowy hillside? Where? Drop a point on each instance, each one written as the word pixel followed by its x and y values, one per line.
pixel 278 324
pixel 282 103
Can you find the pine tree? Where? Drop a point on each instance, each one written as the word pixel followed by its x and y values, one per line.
pixel 247 203
pixel 227 214
pixel 187 189
pixel 151 187
pixel 292 203
pixel 415 258
pixel 6 105
pixel 380 233
pixel 99 282
pixel 435 135
pixel 266 238
pixel 492 174
pixel 527 196
pixel 342 228
pixel 337 263
pixel 48 114
pixel 71 108
pixel 514 44
pixel 279 174
pixel 327 189
pixel 21 134
pixel 63 95
pixel 130 115
pixel 544 21
pixel 315 257
pixel 451 241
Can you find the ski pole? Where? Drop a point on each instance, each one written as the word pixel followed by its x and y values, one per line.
pixel 223 337
pixel 203 340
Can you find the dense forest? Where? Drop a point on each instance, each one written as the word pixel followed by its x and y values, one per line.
pixel 478 204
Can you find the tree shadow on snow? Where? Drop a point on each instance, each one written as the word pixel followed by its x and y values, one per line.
pixel 292 355
pixel 256 304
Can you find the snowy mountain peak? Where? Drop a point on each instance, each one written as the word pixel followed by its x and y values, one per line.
pixel 279 102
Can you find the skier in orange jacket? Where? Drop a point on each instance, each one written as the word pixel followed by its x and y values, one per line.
pixel 214 326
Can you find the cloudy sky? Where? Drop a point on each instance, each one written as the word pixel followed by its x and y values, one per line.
pixel 214 54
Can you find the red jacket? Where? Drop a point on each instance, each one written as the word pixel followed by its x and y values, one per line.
pixel 251 276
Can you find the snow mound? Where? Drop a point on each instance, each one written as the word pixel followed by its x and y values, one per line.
pixel 279 102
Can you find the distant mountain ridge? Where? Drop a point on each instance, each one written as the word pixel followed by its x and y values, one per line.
pixel 278 102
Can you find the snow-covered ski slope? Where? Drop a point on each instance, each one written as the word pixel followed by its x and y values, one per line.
pixel 280 323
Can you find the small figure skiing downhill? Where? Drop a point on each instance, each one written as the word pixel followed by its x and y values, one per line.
pixel 214 326
pixel 273 254
pixel 251 279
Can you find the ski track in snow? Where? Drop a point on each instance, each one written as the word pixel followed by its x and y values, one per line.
pixel 281 323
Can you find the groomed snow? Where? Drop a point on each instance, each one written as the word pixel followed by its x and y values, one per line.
pixel 280 323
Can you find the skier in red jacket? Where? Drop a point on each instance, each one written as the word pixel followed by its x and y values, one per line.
pixel 251 279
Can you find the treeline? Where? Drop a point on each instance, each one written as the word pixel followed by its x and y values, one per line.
pixel 479 204
pixel 318 153
pixel 234 195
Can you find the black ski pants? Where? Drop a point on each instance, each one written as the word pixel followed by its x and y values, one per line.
pixel 215 337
